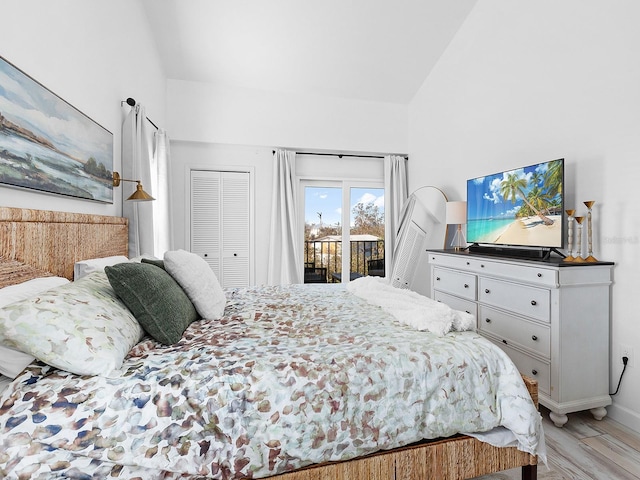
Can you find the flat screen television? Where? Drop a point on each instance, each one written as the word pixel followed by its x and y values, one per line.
pixel 522 207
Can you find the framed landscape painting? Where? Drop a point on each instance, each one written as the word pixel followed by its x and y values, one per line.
pixel 48 145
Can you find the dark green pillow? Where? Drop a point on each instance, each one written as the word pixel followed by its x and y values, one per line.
pixel 156 300
pixel 154 261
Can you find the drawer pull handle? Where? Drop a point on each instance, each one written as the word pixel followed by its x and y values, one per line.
pixel 534 303
pixel 466 285
pixel 437 279
pixel 467 263
pixel 486 290
pixel 534 338
pixel 534 372
pixel 482 265
pixel 539 275
pixel 488 320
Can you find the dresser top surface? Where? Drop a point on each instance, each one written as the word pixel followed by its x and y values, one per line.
pixel 552 261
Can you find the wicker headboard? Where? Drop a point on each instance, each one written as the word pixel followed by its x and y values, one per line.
pixel 36 243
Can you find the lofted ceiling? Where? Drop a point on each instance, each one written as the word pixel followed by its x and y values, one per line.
pixel 376 50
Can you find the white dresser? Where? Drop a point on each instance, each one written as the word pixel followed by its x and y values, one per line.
pixel 551 319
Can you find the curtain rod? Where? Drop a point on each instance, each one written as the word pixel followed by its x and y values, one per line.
pixel 132 103
pixel 340 155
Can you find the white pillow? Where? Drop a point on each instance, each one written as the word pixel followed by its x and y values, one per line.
pixel 81 327
pixel 23 290
pixel 198 281
pixel 12 361
pixel 85 267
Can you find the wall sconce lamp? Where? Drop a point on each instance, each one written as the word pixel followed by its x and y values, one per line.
pixel 139 195
pixel 456 213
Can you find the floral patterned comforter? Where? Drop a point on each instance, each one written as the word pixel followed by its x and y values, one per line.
pixel 290 376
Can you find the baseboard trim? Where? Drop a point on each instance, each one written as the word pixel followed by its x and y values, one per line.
pixel 625 416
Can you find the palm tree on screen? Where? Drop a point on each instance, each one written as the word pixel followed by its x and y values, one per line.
pixel 539 199
pixel 514 186
pixel 553 178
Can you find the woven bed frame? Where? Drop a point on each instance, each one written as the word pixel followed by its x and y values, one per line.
pixel 36 243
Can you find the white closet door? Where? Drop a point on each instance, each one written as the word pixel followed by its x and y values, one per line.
pixel 235 229
pixel 220 219
pixel 206 217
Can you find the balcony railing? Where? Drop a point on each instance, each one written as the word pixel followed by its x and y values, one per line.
pixel 323 260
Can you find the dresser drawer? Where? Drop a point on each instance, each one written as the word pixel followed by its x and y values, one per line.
pixel 545 277
pixel 532 302
pixel 530 366
pixel 460 262
pixel 528 334
pixel 457 303
pixel 534 274
pixel 455 283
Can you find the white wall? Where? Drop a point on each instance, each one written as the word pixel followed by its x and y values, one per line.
pixel 204 112
pixel 221 127
pixel 524 82
pixel 93 55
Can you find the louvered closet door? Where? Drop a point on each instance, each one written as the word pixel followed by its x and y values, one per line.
pixel 206 218
pixel 235 229
pixel 220 223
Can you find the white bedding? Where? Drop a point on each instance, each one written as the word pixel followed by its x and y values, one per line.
pixel 411 308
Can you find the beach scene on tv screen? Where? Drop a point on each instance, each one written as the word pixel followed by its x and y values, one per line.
pixel 517 207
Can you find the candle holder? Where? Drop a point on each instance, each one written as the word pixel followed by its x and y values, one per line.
pixel 578 258
pixel 569 257
pixel 590 257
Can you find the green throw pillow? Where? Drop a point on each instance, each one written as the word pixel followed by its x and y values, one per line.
pixel 156 300
pixel 154 261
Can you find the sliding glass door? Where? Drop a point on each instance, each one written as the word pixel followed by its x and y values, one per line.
pixel 343 230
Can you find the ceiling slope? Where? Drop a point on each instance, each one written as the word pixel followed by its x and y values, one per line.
pixel 375 50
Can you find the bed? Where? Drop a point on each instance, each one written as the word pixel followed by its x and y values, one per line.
pixel 191 409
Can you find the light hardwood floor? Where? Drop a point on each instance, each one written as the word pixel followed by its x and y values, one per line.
pixel 585 448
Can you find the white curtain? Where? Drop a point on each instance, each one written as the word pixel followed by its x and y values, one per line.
pixel 285 240
pixel 147 160
pixel 396 193
pixel 161 185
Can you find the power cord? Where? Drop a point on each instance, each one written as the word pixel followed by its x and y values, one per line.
pixel 625 360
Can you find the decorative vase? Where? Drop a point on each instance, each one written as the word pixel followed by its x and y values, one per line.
pixel 578 258
pixel 569 257
pixel 590 257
